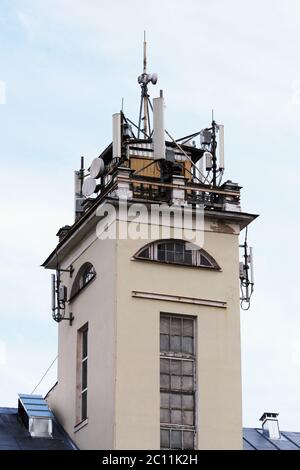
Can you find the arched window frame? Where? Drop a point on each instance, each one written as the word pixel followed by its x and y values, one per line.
pixel 197 257
pixel 85 275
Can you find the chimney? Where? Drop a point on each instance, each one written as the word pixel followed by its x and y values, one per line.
pixel 36 415
pixel 62 232
pixel 270 425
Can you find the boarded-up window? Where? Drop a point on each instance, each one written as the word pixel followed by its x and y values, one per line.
pixel 177 382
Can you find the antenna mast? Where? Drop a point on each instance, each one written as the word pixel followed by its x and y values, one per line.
pixel 145 95
pixel 143 80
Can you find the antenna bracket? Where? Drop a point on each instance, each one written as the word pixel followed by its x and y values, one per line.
pixel 70 270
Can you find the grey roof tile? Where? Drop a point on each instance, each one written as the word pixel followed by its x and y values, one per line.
pixel 255 439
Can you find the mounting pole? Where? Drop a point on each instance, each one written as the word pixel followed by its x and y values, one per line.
pixel 144 111
pixel 145 94
pixel 214 154
pixel 143 80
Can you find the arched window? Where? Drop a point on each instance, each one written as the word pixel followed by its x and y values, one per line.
pixel 85 274
pixel 177 252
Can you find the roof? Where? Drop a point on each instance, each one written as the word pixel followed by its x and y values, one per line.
pixel 254 439
pixel 14 435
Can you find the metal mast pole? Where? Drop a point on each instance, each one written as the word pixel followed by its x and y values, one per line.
pixel 214 147
pixel 145 90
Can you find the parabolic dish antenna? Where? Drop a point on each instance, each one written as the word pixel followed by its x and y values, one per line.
pixel 89 186
pixel 97 167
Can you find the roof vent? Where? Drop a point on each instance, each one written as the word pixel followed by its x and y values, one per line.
pixel 270 425
pixel 36 415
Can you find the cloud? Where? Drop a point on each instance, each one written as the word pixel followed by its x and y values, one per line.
pixel 27 23
pixel 2 92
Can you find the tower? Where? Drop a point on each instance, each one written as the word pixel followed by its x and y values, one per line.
pixel 146 293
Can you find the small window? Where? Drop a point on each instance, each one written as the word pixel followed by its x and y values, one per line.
pixel 85 274
pixel 177 252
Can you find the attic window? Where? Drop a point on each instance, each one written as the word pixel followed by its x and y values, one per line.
pixel 84 276
pixel 177 252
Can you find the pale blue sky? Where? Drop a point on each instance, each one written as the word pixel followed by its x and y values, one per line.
pixel 66 66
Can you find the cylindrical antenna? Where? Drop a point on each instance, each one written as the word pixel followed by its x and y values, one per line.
pixel 251 265
pixel 53 303
pixel 221 147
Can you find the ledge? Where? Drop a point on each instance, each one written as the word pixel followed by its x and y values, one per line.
pixel 180 299
pixel 81 425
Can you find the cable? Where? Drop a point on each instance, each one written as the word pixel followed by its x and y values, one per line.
pixel 44 376
pixel 181 149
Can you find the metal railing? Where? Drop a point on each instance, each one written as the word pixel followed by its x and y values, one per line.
pixel 150 190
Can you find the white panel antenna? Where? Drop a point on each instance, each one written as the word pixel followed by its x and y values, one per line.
pixel 199 176
pixel 251 265
pixel 53 287
pixel 221 147
pixel 159 143
pixel 116 135
pixel 77 183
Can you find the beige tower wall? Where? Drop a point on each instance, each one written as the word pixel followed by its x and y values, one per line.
pixel 123 367
pixel 96 305
pixel 219 410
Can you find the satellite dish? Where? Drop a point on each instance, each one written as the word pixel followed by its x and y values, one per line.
pixel 89 186
pixel 154 78
pixel 97 167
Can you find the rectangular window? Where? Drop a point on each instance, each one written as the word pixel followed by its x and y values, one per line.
pixel 177 382
pixel 82 373
pixel 173 252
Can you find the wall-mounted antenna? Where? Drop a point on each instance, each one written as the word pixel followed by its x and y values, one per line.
pixel 144 79
pixel 221 147
pixel 59 298
pixel 246 274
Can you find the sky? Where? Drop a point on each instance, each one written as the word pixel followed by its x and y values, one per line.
pixel 65 66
